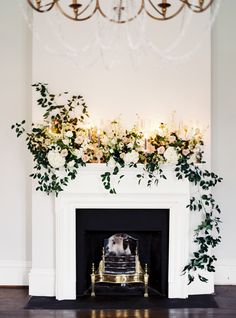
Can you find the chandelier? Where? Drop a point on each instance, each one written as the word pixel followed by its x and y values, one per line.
pixel 120 11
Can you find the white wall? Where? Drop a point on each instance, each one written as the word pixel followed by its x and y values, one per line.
pixel 15 80
pixel 223 134
pixel 15 186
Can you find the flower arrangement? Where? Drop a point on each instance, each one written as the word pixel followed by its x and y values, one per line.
pixel 65 141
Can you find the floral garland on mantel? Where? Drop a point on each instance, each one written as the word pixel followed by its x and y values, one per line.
pixel 64 142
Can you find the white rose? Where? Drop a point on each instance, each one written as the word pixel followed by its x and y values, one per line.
pixel 78 153
pixel 131 157
pixel 66 141
pixel 185 152
pixel 55 159
pixel 171 155
pixel 85 157
pixel 130 145
pixel 64 152
pixel 111 163
pixel 69 134
pixel 71 164
pixel 104 140
pixel 113 141
pixel 161 150
pixel 47 142
pixel 79 140
pixel 122 155
pixel 192 159
pixel 172 139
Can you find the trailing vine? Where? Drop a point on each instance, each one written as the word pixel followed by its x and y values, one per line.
pixel 207 233
pixel 52 137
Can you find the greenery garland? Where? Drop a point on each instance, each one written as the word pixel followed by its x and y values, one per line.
pixel 65 141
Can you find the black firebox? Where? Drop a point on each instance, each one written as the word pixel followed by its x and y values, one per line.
pixel 149 226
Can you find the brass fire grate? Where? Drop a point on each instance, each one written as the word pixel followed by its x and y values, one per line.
pixel 120 263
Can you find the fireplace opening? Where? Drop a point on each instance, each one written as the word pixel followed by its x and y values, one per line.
pixel 149 226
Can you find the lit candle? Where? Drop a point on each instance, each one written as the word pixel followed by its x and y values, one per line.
pixel 145 142
pixel 89 134
pixel 98 134
pixel 50 128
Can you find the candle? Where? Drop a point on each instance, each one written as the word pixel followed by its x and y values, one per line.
pixel 89 134
pixel 50 128
pixel 98 135
pixel 145 141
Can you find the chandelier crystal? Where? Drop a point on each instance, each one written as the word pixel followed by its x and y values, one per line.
pixel 120 11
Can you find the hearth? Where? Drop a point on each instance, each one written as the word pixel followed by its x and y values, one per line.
pixel 149 226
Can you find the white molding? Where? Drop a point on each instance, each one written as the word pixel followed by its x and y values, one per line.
pixel 225 272
pixel 85 192
pixel 42 282
pixel 14 273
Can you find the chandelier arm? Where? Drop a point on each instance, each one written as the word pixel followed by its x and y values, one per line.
pixel 80 13
pixel 198 8
pixel 164 18
pixel 154 7
pixel 37 8
pixel 36 5
pixel 121 21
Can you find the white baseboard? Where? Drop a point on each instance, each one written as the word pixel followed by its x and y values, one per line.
pixel 14 273
pixel 42 282
pixel 200 288
pixel 225 272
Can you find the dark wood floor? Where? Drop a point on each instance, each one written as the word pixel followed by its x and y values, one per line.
pixel 12 301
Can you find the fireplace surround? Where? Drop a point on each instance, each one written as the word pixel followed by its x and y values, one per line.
pixel 86 192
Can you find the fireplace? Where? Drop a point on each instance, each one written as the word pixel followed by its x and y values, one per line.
pixel 86 193
pixel 149 226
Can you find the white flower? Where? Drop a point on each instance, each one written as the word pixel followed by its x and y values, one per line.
pixel 104 140
pixel 161 150
pixel 66 141
pixel 122 155
pixel 172 139
pixel 171 155
pixel 78 153
pixel 192 159
pixel 130 145
pixel 111 163
pixel 113 141
pixel 71 164
pixel 69 134
pixel 79 140
pixel 55 159
pixel 85 157
pixel 185 152
pixel 131 157
pixel 47 142
pixel 64 152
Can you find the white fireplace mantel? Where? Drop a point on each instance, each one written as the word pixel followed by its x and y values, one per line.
pixel 87 191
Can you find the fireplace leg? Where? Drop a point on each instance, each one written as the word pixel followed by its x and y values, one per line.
pixel 93 280
pixel 146 277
